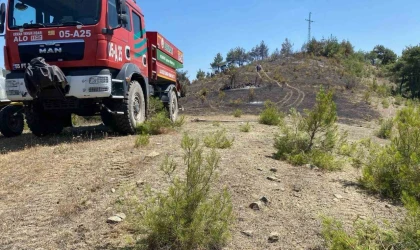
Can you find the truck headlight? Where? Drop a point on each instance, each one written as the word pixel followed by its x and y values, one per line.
pixel 98 80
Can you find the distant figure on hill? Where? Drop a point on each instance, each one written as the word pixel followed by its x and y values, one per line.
pixel 258 68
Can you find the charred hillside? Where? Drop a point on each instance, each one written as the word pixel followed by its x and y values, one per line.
pixel 290 82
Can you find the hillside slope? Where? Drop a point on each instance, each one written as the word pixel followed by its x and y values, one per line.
pixel 290 82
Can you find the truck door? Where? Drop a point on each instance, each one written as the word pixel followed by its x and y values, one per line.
pixel 139 42
pixel 118 49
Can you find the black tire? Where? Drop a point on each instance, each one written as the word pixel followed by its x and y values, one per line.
pixel 41 124
pixel 172 106
pixel 134 109
pixel 11 121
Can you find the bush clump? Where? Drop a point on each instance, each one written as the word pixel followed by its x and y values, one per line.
pixel 245 128
pixel 218 140
pixel 190 215
pixel 237 113
pixel 312 138
pixel 142 140
pixel 159 122
pixel 385 103
pixel 271 115
pixel 385 130
pixel 393 171
pixel 368 235
pixel 394 168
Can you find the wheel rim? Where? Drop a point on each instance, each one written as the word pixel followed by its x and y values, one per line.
pixel 137 108
pixel 174 108
pixel 13 122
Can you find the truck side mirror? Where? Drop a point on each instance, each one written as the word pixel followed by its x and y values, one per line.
pixel 2 17
pixel 123 19
pixel 122 7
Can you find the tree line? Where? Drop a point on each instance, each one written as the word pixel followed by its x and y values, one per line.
pixel 239 56
pixel 404 70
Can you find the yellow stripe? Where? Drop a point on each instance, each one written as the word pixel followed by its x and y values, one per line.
pixel 165 77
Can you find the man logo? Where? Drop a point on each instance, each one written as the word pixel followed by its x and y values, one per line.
pixel 50 50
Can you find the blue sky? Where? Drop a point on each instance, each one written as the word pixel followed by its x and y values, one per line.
pixel 202 28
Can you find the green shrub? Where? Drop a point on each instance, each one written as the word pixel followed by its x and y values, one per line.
pixel 368 235
pixel 374 86
pixel 351 82
pixel 394 168
pixel 142 140
pixel 313 138
pixel 354 67
pixel 237 113
pixel 155 106
pixel 398 100
pixel 190 215
pixel 367 97
pixel 218 140
pixel 203 92
pixel 179 122
pixel 347 149
pixel 271 115
pixel 251 95
pixel 324 159
pixel 383 90
pixel 385 103
pixel 245 128
pixel 158 124
pixel 385 130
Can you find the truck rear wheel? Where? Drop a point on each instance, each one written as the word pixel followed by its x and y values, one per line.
pixel 42 124
pixel 11 121
pixel 172 106
pixel 134 109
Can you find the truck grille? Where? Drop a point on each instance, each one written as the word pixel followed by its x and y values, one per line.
pixel 52 50
pixel 60 104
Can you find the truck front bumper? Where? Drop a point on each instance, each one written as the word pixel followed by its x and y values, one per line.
pixel 82 87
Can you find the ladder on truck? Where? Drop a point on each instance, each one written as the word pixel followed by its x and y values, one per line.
pixel 154 62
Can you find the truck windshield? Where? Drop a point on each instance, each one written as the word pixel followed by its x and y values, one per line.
pixel 46 13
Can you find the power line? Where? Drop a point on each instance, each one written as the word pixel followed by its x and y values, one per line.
pixel 310 21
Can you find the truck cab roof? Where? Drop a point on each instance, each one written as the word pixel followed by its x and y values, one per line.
pixel 134 4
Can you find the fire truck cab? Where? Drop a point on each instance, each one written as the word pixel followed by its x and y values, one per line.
pixel 86 57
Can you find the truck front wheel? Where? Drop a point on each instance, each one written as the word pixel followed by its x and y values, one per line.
pixel 11 121
pixel 134 109
pixel 42 124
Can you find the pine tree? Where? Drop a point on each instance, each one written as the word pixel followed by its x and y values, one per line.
pixel 286 48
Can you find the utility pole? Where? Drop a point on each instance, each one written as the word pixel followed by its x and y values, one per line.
pixel 310 21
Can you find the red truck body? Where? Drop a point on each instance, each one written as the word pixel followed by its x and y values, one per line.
pixel 99 48
pixel 163 57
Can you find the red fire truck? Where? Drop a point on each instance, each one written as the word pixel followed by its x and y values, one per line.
pixel 86 57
